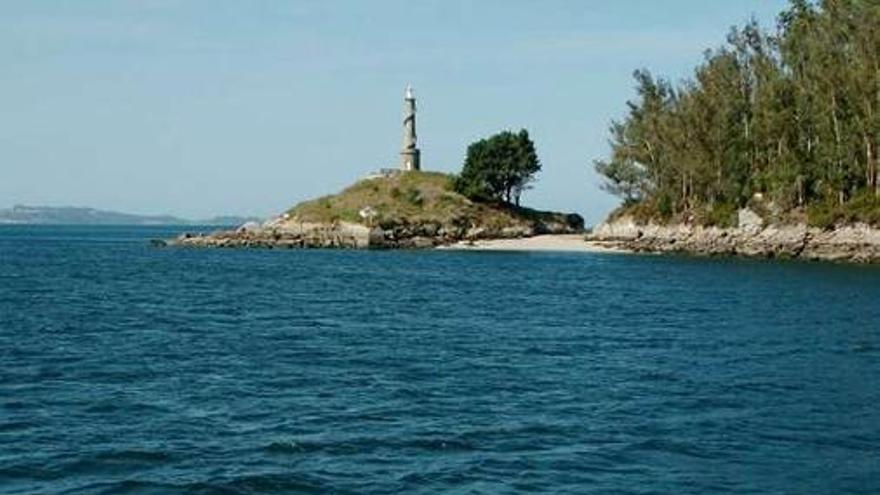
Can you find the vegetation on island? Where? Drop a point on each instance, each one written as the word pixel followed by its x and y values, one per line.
pixel 786 122
pixel 416 195
pixel 486 193
pixel 418 198
pixel 499 168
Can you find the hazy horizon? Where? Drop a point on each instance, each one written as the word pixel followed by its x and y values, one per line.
pixel 195 109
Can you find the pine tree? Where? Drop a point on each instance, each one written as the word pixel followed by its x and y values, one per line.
pixel 793 116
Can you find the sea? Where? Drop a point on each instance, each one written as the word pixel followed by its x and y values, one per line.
pixel 133 369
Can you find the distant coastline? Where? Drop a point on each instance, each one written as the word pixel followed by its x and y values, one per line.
pixel 50 215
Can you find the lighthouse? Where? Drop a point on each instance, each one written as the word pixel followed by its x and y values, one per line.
pixel 409 154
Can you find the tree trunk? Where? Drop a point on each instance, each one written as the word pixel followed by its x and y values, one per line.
pixel 800 190
pixel 684 191
pixel 871 165
pixel 837 139
pixel 691 190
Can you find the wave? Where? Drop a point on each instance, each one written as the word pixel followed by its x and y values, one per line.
pixel 272 483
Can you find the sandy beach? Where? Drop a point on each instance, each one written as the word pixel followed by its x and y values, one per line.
pixel 561 243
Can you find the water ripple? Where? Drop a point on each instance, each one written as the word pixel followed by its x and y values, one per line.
pixel 128 369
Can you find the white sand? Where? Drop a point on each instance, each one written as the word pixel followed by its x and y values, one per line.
pixel 567 243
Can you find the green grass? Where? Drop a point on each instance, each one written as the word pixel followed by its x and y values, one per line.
pixel 415 198
pixel 415 194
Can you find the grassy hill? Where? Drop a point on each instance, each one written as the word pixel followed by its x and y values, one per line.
pixel 420 198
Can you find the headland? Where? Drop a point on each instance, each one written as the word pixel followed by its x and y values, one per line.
pixel 403 210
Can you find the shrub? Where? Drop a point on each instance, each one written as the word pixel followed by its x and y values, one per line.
pixel 823 215
pixel 642 212
pixel 664 206
pixel 414 197
pixel 864 207
pixel 721 215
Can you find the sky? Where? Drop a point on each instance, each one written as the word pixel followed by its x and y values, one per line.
pixel 205 107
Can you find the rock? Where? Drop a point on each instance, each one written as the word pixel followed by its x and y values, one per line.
pixel 749 220
pixel 422 242
pixel 376 238
pixel 430 229
pixel 517 231
pixel 619 230
pixel 575 222
pixel 485 222
pixel 857 243
pixel 475 233
pixel 249 227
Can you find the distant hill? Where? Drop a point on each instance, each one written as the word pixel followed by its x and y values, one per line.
pixel 20 214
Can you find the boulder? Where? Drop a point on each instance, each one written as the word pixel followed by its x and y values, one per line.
pixel 749 220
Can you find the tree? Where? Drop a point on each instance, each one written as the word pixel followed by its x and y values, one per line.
pixel 499 168
pixel 792 116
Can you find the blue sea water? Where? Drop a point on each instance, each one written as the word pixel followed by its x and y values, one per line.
pixel 131 369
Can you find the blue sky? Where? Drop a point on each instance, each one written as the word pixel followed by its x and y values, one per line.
pixel 199 108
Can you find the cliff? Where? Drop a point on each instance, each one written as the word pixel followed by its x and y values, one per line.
pixel 409 210
pixel 750 237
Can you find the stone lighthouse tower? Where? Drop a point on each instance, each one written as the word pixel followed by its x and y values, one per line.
pixel 409 154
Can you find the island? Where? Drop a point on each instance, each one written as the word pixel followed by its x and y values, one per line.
pixel 400 210
pixel 406 207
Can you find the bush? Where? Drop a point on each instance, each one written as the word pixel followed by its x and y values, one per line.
pixel 664 207
pixel 414 197
pixel 823 215
pixel 864 207
pixel 722 215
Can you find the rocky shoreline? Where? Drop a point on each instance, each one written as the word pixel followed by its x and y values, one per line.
pixel 857 243
pixel 412 210
pixel 284 233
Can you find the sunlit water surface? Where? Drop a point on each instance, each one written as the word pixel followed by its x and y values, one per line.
pixel 131 369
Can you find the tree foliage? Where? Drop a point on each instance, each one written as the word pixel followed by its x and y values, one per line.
pixel 499 168
pixel 793 115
